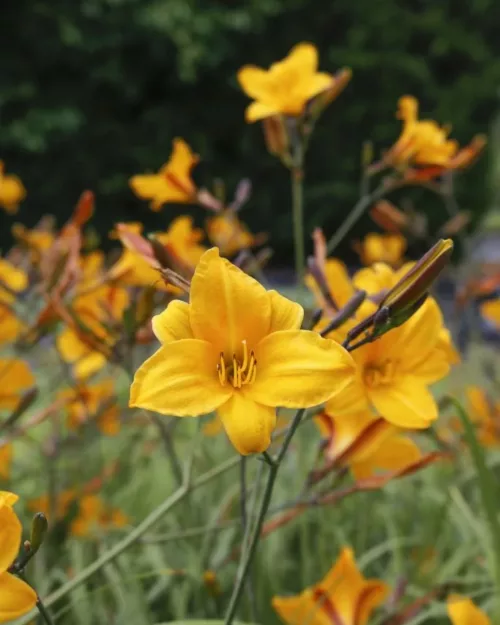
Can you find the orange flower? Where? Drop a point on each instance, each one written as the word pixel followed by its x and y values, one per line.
pixel 93 401
pixel 93 514
pixel 172 183
pixel 287 86
pixel 387 248
pixel 424 144
pixel 343 596
pixel 12 191
pixel 366 444
pixel 230 235
pixel 15 378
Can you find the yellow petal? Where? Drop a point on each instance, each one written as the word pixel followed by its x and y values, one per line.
pixel 7 498
pixel 147 186
pixel 253 80
pixel 10 325
pixel 393 454
pixel 248 424
pixel 405 402
pixel 91 363
pixel 479 404
pixel 227 306
pixel 462 611
pixel 351 399
pixel 10 537
pixel 173 323
pixel 15 378
pixel 304 56
pixel 301 610
pixel 5 460
pixel 180 379
pixel 285 314
pixel 299 369
pixel 16 597
pixel 15 278
pixel 259 110
pixel 316 84
pixel 353 597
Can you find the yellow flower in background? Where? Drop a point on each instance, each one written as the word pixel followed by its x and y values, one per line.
pixel 5 460
pixel 12 191
pixel 38 240
pixel 230 235
pixel 491 311
pixel 93 514
pixel 10 325
pixel 15 378
pixel 343 596
pixel 173 183
pixel 395 371
pixel 16 597
pixel 84 359
pixel 181 241
pixel 365 443
pixel 485 415
pixel 237 349
pixel 93 402
pixel 287 86
pixel 12 280
pixel 462 611
pixel 425 144
pixel 62 502
pixel 387 248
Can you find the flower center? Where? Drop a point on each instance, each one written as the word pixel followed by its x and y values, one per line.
pixel 379 374
pixel 236 372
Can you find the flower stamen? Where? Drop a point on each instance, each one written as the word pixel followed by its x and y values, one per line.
pixel 238 373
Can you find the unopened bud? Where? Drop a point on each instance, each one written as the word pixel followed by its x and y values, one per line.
pixel 276 136
pixel 39 527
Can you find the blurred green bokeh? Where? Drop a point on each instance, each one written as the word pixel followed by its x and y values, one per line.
pixel 93 91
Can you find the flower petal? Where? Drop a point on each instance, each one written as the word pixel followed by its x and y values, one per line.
pixel 259 110
pixel 304 56
pixel 285 314
pixel 301 609
pixel 393 454
pixel 462 611
pixel 248 424
pixel 179 379
pixel 405 402
pixel 253 80
pixel 299 369
pixel 318 83
pixel 227 306
pixel 173 323
pixel 16 597
pixel 10 537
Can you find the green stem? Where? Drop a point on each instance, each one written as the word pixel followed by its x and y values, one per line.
pixel 249 553
pixel 356 213
pixel 133 536
pixel 297 176
pixel 488 491
pixel 45 615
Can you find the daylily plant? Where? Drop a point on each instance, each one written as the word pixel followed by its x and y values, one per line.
pixel 237 349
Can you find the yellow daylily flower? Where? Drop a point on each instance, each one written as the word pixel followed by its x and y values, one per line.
pixel 16 597
pixel 12 191
pixel 15 378
pixel 343 596
pixel 173 182
pixel 10 325
pixel 13 279
pixel 395 371
pixel 287 86
pixel 5 460
pixel 93 401
pixel 424 144
pixel 237 349
pixel 491 311
pixel 366 443
pixel 387 248
pixel 230 235
pixel 462 611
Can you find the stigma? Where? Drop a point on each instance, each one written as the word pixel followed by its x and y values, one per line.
pixel 236 372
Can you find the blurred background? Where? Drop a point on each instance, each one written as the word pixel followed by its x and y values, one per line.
pixel 93 91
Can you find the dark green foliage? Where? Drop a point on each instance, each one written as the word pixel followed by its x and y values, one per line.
pixel 93 91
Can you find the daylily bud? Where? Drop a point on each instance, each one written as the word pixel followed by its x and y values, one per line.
pixel 211 583
pixel 39 527
pixel 276 136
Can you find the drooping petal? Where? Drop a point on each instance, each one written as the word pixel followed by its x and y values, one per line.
pixel 301 609
pixel 180 379
pixel 285 314
pixel 259 110
pixel 462 611
pixel 10 536
pixel 393 454
pixel 16 597
pixel 249 425
pixel 253 80
pixel 173 323
pixel 353 596
pixel 299 369
pixel 405 402
pixel 227 306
